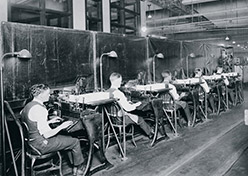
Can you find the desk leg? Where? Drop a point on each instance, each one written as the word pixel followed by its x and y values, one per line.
pixel 123 153
pixel 124 139
pixel 227 104
pixel 206 105
pixel 155 131
pixel 195 106
pixel 103 137
pixel 236 93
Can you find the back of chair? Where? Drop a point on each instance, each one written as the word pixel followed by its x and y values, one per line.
pixel 157 105
pixel 18 123
pixel 167 100
pixel 30 150
pixel 116 113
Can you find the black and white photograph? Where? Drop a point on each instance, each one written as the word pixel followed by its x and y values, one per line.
pixel 124 88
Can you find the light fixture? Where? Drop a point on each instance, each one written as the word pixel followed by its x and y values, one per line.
pixel 109 54
pixel 25 54
pixel 160 56
pixel 149 8
pixel 227 38
pixel 233 42
pixel 192 55
pixel 238 45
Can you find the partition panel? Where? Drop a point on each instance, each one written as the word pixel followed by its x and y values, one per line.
pixel 131 53
pixel 170 50
pixel 59 56
pixel 205 56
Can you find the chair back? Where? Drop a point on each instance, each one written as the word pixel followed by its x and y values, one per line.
pixel 157 105
pixel 30 150
pixel 18 106
pixel 116 113
pixel 168 100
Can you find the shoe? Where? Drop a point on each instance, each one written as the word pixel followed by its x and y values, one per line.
pixel 81 169
pixel 151 135
pixel 74 171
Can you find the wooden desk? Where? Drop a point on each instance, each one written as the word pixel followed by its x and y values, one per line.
pixel 192 85
pixel 152 93
pixel 101 106
pixel 91 122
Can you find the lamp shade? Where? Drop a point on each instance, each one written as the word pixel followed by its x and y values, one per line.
pixel 112 54
pixel 25 54
pixel 160 55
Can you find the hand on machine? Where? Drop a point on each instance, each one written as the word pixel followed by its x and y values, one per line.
pixel 63 123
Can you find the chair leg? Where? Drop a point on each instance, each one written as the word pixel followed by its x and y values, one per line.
pixel 132 133
pixel 108 142
pixel 120 133
pixel 60 164
pixel 32 167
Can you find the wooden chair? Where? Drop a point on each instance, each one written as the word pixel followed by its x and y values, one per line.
pixel 34 154
pixel 170 111
pixel 116 113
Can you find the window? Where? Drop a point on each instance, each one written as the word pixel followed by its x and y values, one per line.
pixel 94 15
pixel 56 13
pixel 125 16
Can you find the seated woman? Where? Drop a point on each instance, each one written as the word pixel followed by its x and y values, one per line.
pixel 180 104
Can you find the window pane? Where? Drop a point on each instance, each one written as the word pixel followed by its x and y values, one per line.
pixel 31 3
pixel 25 16
pixel 58 5
pixel 48 12
pixel 94 15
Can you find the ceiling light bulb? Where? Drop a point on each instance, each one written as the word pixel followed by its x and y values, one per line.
pixel 238 45
pixel 227 38
pixel 149 16
pixel 233 42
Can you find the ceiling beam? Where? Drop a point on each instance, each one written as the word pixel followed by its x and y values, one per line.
pixel 240 34
pixel 196 26
pixel 197 15
pixel 189 2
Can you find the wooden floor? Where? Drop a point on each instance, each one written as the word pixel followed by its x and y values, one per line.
pixel 216 147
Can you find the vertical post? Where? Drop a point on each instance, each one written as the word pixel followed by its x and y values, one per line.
pixel 2 121
pixel 42 12
pixel 101 81
pixel 4 10
pixel 101 74
pixel 153 69
pixel 106 15
pixel 79 14
pixel 122 30
pixel 94 59
pixel 187 66
pixel 142 17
